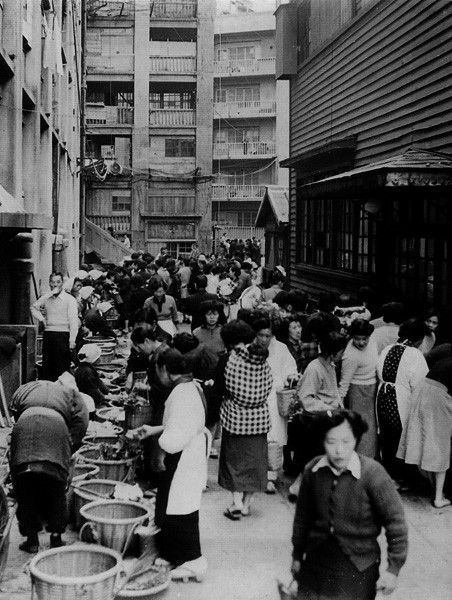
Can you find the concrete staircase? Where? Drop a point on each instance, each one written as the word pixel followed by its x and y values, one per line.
pixel 100 241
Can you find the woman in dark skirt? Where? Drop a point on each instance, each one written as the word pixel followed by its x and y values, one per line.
pixel 245 420
pixel 345 500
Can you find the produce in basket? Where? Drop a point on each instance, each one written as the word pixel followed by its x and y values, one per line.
pixel 122 449
pixel 153 578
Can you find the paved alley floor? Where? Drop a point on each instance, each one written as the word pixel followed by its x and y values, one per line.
pixel 246 557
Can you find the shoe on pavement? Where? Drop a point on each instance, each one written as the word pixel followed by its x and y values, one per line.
pixel 192 569
pixel 271 488
pixel 56 541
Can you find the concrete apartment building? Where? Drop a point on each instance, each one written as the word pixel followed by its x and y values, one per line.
pixel 251 115
pixel 149 121
pixel 39 146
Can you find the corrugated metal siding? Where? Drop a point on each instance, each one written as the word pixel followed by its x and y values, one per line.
pixel 386 79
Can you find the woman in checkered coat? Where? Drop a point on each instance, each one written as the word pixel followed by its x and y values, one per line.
pixel 245 420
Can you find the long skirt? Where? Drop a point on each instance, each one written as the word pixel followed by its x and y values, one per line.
pixel 426 437
pixel 178 541
pixel 56 355
pixel 243 462
pixel 361 399
pixel 328 574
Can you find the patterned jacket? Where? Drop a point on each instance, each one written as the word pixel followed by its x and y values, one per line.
pixel 248 384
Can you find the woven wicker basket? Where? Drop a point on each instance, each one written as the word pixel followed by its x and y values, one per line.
pixel 81 471
pixel 88 491
pixel 75 572
pixel 284 399
pixel 108 469
pixel 114 521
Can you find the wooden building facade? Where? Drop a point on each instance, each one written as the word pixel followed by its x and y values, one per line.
pixel 370 139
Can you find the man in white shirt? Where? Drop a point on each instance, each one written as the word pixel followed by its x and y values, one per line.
pixel 58 311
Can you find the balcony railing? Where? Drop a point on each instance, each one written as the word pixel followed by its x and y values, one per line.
pixel 265 149
pixel 249 109
pixel 246 66
pixel 109 115
pixel 173 64
pixel 169 117
pixel 174 10
pixel 119 223
pixel 114 63
pixel 237 192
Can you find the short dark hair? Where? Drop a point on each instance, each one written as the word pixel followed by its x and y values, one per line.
pixel 360 327
pixel 330 419
pixel 261 322
pixel 56 274
pixel 142 333
pixel 156 284
pixel 201 282
pixel 236 332
pixel 392 312
pixel 276 277
pixel 210 305
pixel 413 330
pixel 332 343
pixel 327 302
pixel 175 362
pixel 185 342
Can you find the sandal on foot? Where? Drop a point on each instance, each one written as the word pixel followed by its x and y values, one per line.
pixel 193 569
pixel 245 511
pixel 233 513
pixel 442 504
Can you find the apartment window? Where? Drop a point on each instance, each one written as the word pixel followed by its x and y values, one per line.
pixel 121 203
pixel 179 147
pixel 242 52
pixel 238 135
pixel 175 100
pixel 248 93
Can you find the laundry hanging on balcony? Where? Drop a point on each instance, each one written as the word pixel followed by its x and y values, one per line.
pixel 51 33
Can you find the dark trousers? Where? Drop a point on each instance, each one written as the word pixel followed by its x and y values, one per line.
pixel 41 499
pixel 56 354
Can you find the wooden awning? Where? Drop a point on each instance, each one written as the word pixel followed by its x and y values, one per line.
pixel 414 168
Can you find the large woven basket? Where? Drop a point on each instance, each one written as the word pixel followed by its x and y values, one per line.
pixel 108 469
pixel 81 471
pixel 284 400
pixel 114 521
pixel 88 491
pixel 75 572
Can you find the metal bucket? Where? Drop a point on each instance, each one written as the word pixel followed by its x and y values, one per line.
pixel 114 521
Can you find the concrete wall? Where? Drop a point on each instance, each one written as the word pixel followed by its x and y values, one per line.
pixel 40 111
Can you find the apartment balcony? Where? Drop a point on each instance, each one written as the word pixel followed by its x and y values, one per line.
pixel 169 117
pixel 222 192
pixel 174 10
pixel 162 65
pixel 244 110
pixel 114 63
pixel 246 150
pixel 244 67
pixel 98 115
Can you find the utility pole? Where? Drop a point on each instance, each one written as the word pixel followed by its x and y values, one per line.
pixel 82 131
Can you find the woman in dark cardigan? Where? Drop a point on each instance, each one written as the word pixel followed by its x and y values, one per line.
pixel 345 500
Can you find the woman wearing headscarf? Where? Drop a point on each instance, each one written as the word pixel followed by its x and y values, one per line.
pixel 50 421
pixel 185 443
pixel 86 375
pixel 426 437
pixel 401 367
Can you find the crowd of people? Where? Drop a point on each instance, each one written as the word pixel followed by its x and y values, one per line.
pixel 370 406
